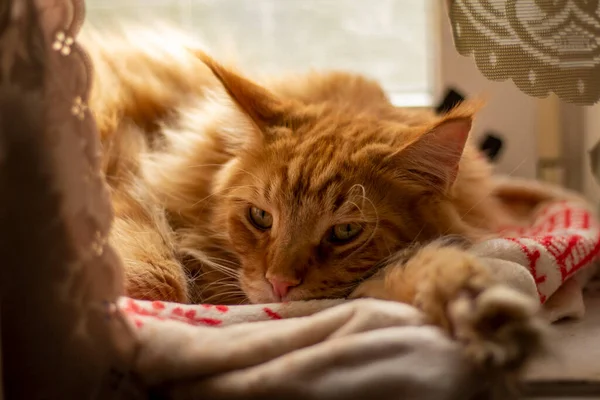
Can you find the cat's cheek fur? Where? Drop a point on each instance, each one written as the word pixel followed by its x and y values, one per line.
pixel 248 244
pixel 255 286
pixel 242 238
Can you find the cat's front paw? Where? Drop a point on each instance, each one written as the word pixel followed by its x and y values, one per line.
pixel 498 326
pixel 441 275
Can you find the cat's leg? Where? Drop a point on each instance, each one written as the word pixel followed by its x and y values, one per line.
pixel 499 325
pixel 142 237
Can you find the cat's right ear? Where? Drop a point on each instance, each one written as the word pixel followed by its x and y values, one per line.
pixel 263 107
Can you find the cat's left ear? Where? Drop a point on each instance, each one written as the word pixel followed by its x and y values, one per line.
pixel 435 155
pixel 263 107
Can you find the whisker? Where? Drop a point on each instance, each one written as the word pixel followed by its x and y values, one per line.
pixel 218 283
pixel 357 207
pixel 225 295
pixel 414 241
pixel 213 262
pixel 372 232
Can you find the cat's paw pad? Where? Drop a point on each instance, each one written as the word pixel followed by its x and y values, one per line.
pixel 499 326
pixel 449 274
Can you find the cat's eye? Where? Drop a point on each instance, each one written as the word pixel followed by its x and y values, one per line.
pixel 344 233
pixel 260 218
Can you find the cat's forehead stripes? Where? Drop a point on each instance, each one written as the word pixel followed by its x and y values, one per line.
pixel 305 198
pixel 322 171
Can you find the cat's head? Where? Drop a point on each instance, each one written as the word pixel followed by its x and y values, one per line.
pixel 315 197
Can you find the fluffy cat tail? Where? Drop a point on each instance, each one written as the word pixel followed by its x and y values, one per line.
pixel 142 77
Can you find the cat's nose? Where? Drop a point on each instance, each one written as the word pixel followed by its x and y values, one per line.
pixel 281 287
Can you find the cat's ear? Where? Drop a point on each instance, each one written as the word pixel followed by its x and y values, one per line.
pixel 434 156
pixel 435 153
pixel 263 107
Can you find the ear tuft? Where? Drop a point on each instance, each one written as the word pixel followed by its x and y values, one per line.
pixel 264 108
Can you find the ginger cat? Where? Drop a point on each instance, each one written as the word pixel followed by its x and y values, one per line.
pixel 302 187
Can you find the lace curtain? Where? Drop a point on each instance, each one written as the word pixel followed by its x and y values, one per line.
pixel 543 46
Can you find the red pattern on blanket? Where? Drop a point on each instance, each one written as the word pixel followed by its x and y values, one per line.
pixel 202 314
pixel 563 239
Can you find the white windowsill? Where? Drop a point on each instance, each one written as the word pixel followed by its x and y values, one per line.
pixel 417 99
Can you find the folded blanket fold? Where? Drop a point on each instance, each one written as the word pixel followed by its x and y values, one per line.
pixel 362 349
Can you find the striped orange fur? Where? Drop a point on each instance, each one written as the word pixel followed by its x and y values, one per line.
pixel 191 145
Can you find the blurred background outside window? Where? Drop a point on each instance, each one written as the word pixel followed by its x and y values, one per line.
pixel 388 40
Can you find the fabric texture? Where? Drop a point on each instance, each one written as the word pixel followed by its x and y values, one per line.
pixel 362 349
pixel 542 46
pixel 577 354
pixel 562 242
